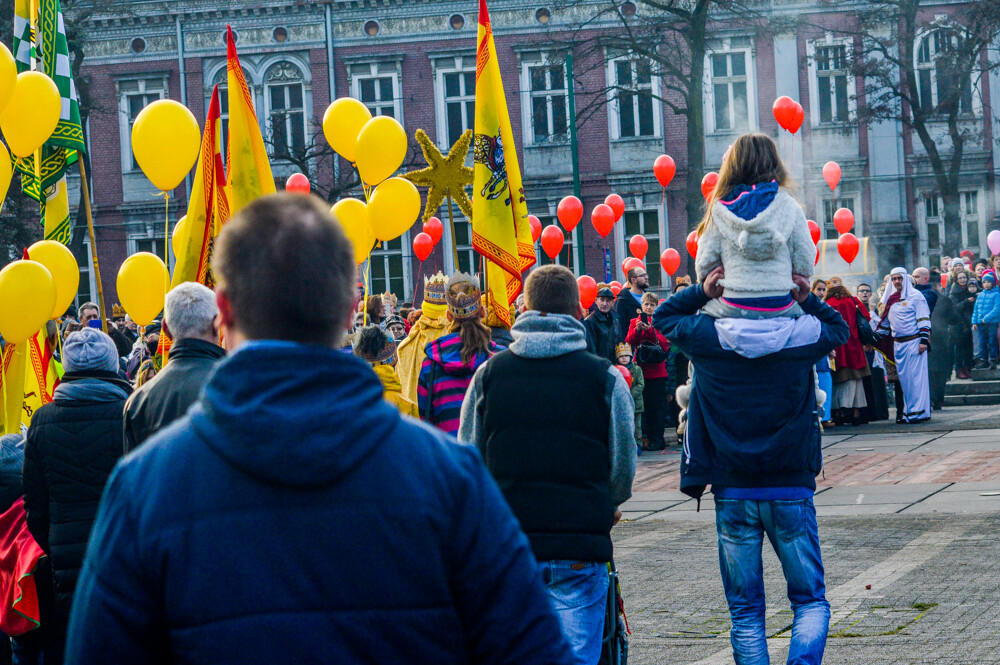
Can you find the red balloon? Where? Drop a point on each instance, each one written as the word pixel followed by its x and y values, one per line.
pixel 797 118
pixel 692 244
pixel 671 260
pixel 664 169
pixel 536 228
pixel 615 287
pixel 814 231
pixel 631 262
pixel 848 247
pixel 784 111
pixel 639 246
pixel 627 375
pixel 552 241
pixel 588 290
pixel 617 205
pixel 434 228
pixel 708 184
pixel 831 173
pixel 423 245
pixel 603 219
pixel 297 183
pixel 570 212
pixel 843 220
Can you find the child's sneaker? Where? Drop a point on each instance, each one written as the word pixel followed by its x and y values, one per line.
pixel 980 364
pixel 993 364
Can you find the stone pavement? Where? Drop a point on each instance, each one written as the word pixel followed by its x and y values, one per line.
pixel 909 520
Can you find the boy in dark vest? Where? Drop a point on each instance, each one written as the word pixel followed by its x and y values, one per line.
pixel 563 464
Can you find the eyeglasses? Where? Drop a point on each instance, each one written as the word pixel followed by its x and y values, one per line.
pixel 864 291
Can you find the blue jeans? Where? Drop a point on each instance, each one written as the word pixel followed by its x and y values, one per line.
pixel 579 593
pixel 791 528
pixel 988 341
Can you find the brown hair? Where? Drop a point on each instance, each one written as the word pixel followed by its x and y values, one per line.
pixel 838 291
pixel 475 336
pixel 632 272
pixel 552 289
pixel 287 269
pixel 751 159
pixel 375 309
pixel 815 283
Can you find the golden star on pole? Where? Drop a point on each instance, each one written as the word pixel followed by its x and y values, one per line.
pixel 444 176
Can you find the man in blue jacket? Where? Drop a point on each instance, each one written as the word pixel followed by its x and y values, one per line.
pixel 753 435
pixel 293 516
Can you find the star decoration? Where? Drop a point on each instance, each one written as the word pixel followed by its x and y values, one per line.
pixel 444 176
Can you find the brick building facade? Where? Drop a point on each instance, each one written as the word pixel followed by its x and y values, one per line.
pixel 415 61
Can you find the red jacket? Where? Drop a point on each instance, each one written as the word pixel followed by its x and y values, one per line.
pixel 636 337
pixel 852 354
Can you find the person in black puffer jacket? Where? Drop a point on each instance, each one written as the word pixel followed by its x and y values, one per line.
pixel 72 445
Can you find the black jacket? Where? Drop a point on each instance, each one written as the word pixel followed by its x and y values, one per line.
pixel 604 334
pixel 930 295
pixel 626 307
pixel 168 395
pixel 72 445
pixel 944 317
pixel 964 303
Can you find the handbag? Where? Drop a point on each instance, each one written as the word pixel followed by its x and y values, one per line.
pixel 865 332
pixel 650 354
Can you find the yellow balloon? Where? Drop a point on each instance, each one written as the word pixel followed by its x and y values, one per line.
pixel 142 286
pixel 32 113
pixel 178 235
pixel 342 123
pixel 8 76
pixel 28 296
pixel 353 216
pixel 394 208
pixel 5 174
pixel 166 141
pixel 64 269
pixel 380 149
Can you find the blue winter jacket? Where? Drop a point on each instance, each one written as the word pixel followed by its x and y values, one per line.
pixel 987 307
pixel 293 516
pixel 752 417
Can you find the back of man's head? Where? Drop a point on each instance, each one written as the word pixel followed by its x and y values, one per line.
pixel 552 289
pixel 189 312
pixel 921 275
pixel 287 271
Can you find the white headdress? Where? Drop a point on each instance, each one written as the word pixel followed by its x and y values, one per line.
pixel 908 292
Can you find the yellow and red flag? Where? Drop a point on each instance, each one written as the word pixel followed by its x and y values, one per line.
pixel 247 163
pixel 500 228
pixel 42 375
pixel 12 367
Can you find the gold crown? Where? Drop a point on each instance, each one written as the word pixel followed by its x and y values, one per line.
pixel 435 288
pixel 464 297
pixel 117 311
pixel 623 350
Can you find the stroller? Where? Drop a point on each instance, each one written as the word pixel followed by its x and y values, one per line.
pixel 614 651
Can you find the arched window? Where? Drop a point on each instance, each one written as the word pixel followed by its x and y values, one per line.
pixel 286 114
pixel 941 72
pixel 222 79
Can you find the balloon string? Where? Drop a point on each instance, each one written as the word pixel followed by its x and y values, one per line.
pixel 420 266
pixel 166 233
pixel 9 349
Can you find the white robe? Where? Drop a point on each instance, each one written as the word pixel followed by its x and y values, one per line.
pixel 908 317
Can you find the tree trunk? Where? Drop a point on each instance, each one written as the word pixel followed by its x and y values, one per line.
pixel 952 242
pixel 695 203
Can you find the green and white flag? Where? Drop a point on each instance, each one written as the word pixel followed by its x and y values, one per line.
pixel 55 59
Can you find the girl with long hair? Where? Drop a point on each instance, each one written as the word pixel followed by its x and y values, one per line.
pixel 851 365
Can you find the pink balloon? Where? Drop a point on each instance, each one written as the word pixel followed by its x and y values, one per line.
pixel 831 173
pixel 993 242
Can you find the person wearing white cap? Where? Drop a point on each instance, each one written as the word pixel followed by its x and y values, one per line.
pixel 908 317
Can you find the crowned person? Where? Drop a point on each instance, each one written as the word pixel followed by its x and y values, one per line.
pixel 432 324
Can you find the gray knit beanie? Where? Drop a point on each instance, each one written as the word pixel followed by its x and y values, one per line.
pixel 89 349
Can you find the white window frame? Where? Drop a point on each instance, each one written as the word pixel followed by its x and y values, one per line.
pixel 155 85
pixel 709 92
pixel 814 75
pixel 379 69
pixel 855 208
pixel 458 64
pixel 542 59
pixel 406 264
pixel 87 273
pixel 542 259
pixel 977 101
pixel 979 217
pixel 646 207
pixel 288 122
pixel 614 102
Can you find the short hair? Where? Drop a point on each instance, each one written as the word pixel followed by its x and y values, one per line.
pixel 288 269
pixel 190 310
pixel 552 289
pixel 88 305
pixel 649 297
pixel 632 272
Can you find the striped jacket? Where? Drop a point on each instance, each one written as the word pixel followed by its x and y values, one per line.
pixel 444 379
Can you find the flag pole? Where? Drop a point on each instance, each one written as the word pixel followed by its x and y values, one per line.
pixel 454 240
pixel 85 201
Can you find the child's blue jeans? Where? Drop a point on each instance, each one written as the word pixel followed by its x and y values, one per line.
pixel 988 341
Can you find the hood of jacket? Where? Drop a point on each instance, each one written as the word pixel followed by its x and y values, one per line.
pixel 755 338
pixel 538 335
pixel 760 237
pixel 91 386
pixel 293 414
pixel 446 351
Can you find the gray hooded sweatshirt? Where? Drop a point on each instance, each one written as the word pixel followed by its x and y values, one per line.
pixel 539 335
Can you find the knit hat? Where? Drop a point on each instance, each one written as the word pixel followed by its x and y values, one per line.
pixel 989 275
pixel 395 319
pixel 623 349
pixel 957 263
pixel 967 254
pixel 375 346
pixel 464 297
pixel 435 288
pixel 89 349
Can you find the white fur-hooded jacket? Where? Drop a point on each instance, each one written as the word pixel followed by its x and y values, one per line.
pixel 759 254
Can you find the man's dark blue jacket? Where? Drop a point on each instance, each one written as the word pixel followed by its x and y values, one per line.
pixel 293 516
pixel 752 417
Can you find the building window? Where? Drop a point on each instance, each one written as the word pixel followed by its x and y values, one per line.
pixel 286 123
pixel 831 206
pixel 567 256
pixel 936 84
pixel 377 86
pixel 134 96
pixel 222 80
pixel 387 268
pixel 87 291
pixel 634 111
pixel 463 246
pixel 730 91
pixel 647 224
pixel 831 81
pixel 548 100
pixel 457 85
pixel 972 226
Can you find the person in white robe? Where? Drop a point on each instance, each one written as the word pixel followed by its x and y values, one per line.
pixel 909 319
